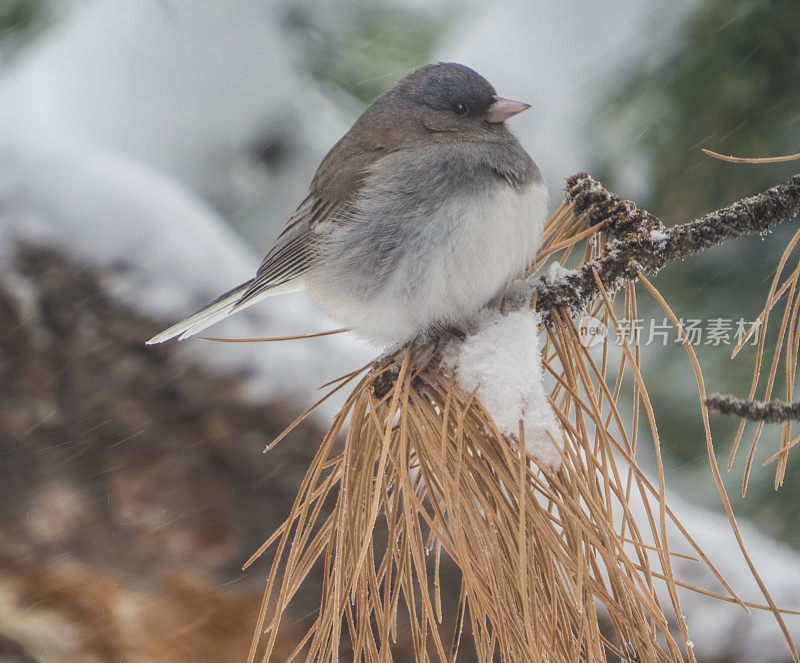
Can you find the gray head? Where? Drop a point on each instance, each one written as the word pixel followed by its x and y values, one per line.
pixel 439 103
pixel 450 97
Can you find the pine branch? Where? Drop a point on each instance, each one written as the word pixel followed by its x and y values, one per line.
pixel 771 412
pixel 641 242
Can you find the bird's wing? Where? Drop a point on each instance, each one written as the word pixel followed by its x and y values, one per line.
pixel 293 254
pixel 295 251
pixel 336 184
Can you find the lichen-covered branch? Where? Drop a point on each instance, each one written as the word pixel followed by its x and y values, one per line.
pixel 771 412
pixel 641 242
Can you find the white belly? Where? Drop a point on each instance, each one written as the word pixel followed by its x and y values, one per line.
pixel 450 265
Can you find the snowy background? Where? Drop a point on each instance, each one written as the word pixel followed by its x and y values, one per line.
pixel 164 142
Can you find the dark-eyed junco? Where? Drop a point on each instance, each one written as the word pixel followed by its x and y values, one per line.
pixel 415 220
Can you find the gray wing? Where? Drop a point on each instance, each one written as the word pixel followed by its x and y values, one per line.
pixel 296 250
pixel 294 254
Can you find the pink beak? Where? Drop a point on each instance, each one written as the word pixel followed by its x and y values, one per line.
pixel 501 109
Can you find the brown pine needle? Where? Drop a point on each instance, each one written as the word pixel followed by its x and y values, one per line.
pixel 346 375
pixel 717 477
pixel 723 157
pixel 273 339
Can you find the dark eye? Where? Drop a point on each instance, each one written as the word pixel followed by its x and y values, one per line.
pixel 460 109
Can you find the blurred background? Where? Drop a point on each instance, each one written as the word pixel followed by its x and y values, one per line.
pixel 149 152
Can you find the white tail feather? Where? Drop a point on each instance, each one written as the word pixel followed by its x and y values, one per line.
pixel 218 310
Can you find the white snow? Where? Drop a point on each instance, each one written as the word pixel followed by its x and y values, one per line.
pixel 557 274
pixel 190 87
pixel 659 238
pixel 501 363
pixel 181 85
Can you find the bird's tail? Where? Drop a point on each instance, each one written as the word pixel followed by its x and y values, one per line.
pixel 217 310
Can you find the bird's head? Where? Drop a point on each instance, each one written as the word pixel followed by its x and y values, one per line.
pixel 450 97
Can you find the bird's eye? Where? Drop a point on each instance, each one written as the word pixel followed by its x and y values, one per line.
pixel 460 109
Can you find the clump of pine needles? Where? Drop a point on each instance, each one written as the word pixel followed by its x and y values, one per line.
pixel 783 289
pixel 785 346
pixel 555 564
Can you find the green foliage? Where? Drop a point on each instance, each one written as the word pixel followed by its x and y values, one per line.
pixel 732 85
pixel 377 45
pixel 22 19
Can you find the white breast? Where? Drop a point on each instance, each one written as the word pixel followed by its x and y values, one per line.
pixel 454 261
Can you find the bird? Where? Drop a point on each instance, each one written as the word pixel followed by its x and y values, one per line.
pixel 417 218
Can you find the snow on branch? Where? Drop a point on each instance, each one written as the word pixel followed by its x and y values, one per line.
pixel 641 242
